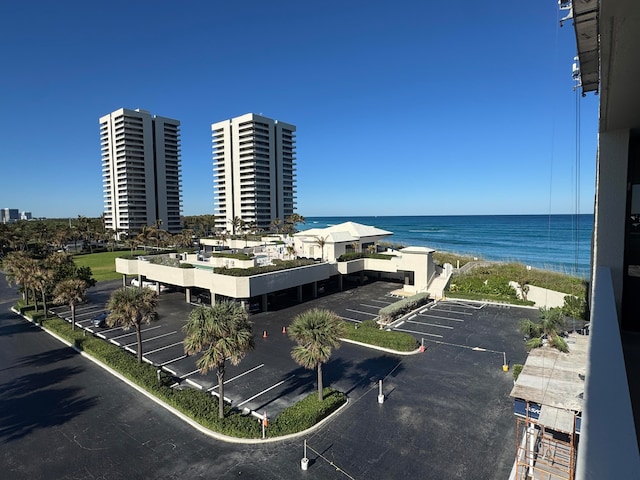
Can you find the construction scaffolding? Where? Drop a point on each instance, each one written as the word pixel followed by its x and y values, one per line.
pixel 543 453
pixel 548 399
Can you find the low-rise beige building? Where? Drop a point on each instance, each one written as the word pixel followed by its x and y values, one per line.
pixel 413 266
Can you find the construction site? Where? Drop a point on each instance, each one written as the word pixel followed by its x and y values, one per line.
pixel 548 401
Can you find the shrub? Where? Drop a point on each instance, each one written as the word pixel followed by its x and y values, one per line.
pixel 389 313
pixel 247 272
pixel 197 404
pixel 346 257
pixel 369 332
pixel 186 265
pixel 517 368
pixel 306 413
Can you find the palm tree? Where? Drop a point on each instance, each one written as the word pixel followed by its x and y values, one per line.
pixel 291 251
pixel 222 332
pixel 132 307
pixel 552 322
pixel 237 225
pixel 291 221
pixel 316 332
pixel 19 268
pixel 276 225
pixel 321 242
pixel 42 281
pixel 71 291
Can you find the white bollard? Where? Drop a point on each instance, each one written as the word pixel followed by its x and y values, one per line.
pixel 380 394
pixel 304 463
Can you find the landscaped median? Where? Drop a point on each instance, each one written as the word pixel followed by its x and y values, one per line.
pixel 190 404
pixel 369 333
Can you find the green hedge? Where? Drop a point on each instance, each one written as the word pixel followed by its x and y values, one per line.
pixel 346 257
pixel 247 272
pixel 236 256
pixel 369 332
pixel 196 404
pixel 199 405
pixel 389 313
pixel 306 413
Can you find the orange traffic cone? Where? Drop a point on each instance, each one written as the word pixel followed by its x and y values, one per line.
pixel 264 334
pixel 284 330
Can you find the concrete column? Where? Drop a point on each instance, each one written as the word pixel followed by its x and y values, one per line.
pixel 244 303
pixel 314 289
pixel 213 298
pixel 124 281
pixel 361 279
pixel 340 281
pixel 609 220
pixel 187 293
pixel 299 293
pixel 265 302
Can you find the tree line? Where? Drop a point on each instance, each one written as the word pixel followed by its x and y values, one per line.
pixel 45 236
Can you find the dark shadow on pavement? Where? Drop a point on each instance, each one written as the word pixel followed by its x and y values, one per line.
pixel 30 403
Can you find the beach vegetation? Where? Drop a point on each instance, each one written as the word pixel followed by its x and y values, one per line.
pixel 440 258
pixel 549 327
pixel 491 282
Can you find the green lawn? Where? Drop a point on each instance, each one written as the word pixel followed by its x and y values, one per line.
pixel 103 265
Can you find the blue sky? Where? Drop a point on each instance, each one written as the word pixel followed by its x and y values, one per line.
pixel 403 108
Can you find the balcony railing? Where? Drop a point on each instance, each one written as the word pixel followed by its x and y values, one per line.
pixel 608 445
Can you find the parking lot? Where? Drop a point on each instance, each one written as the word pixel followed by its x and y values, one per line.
pixel 268 379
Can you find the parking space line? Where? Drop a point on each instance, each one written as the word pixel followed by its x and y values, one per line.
pixel 163 348
pixel 152 338
pixel 452 311
pixel 265 391
pixel 467 305
pixel 364 313
pixel 418 333
pixel 132 333
pixel 430 324
pixel 238 376
pixel 189 374
pixel 442 318
pixel 114 342
pixel 171 361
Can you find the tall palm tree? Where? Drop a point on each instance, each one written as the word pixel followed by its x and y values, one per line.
pixel 276 225
pixel 237 225
pixel 316 332
pixel 551 323
pixel 71 292
pixel 292 220
pixel 222 332
pixel 321 242
pixel 132 307
pixel 43 281
pixel 19 268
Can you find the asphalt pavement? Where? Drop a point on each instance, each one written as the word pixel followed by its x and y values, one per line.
pixel 446 414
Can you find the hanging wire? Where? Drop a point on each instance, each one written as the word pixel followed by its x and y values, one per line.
pixel 576 230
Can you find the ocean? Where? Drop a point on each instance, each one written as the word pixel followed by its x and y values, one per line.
pixel 560 243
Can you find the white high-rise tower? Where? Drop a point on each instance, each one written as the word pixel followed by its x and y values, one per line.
pixel 141 175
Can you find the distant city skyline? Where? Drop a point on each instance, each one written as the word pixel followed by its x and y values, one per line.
pixel 409 109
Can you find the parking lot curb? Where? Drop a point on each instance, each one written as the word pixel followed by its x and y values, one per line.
pixel 179 414
pixel 382 349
